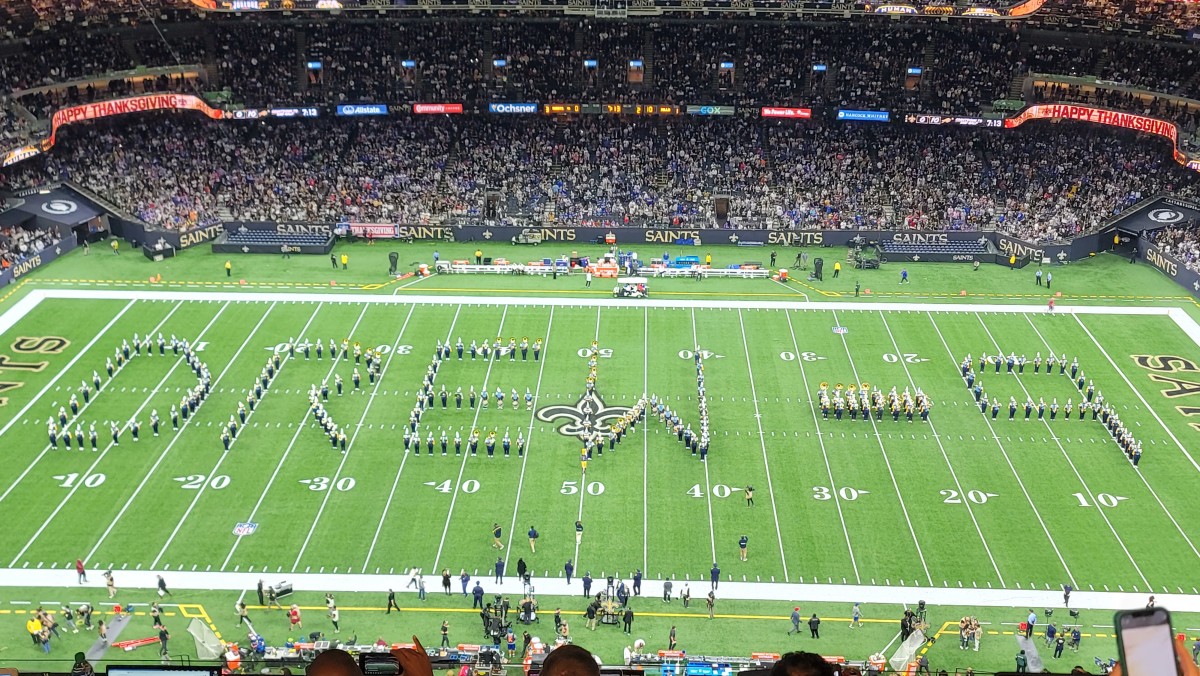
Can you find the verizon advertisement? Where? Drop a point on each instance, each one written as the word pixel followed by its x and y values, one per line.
pixel 787 113
pixel 438 108
pixel 133 104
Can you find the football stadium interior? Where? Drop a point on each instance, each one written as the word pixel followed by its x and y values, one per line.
pixel 873 334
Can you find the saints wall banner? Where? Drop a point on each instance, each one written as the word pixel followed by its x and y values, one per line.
pixel 1170 266
pixel 31 263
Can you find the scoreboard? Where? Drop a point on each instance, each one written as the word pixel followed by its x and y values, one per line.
pixel 610 109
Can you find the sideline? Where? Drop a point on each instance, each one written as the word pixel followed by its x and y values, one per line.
pixel 779 592
pixel 1181 318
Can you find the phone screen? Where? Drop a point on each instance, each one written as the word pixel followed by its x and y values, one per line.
pixel 1146 644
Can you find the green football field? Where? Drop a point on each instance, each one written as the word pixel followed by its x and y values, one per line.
pixel 963 500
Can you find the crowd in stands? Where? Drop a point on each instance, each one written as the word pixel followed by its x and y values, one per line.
pixel 1186 115
pixel 1154 66
pixel 59 57
pixel 43 104
pixel 1166 14
pixel 262 60
pixel 23 17
pixel 972 67
pixel 18 243
pixel 1061 59
pixel 871 66
pixel 1182 242
pixel 1040 182
pixel 14 128
pixel 259 60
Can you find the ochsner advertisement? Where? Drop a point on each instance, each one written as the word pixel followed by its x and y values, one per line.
pixel 513 108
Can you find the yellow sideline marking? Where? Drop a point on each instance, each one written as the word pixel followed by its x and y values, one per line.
pixel 13 290
pixel 197 610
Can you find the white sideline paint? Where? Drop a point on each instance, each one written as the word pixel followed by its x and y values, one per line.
pixel 1181 318
pixel 784 593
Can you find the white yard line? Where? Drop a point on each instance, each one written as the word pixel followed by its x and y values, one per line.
pixel 1067 457
pixel 762 440
pixel 537 394
pixel 110 445
pixel 887 461
pixel 83 408
pixel 791 289
pixel 583 475
pixel 387 506
pixel 301 427
pixel 945 456
pixel 1137 471
pixel 1136 393
pixel 492 359
pixel 408 284
pixel 645 443
pixel 232 442
pixel 1011 467
pixel 354 435
pixel 833 486
pixel 712 531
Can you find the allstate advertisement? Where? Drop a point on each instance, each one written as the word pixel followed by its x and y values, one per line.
pixel 362 109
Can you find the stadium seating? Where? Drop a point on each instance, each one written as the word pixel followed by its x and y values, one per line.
pixel 264 237
pixel 918 248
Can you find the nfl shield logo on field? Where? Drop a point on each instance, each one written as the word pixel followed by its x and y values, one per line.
pixel 245 529
pixel 840 329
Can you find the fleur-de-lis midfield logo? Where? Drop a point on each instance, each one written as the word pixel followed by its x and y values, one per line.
pixel 586 417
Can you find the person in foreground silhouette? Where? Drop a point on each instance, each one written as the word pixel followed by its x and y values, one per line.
pixel 802 664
